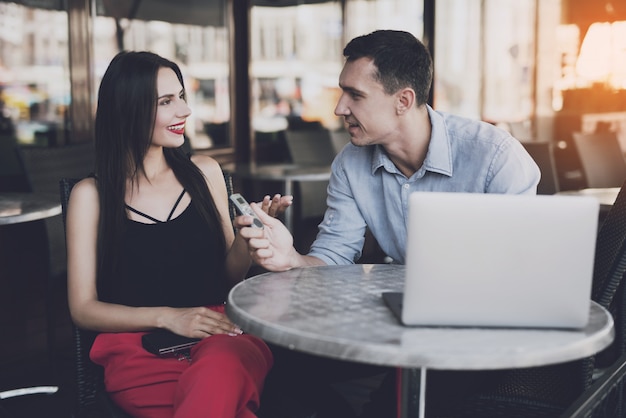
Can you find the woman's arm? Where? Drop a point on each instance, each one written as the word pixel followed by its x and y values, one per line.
pixel 88 312
pixel 237 258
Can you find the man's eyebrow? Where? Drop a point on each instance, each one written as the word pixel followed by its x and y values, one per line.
pixel 349 89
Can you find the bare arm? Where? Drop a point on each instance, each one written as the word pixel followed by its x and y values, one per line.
pixel 90 313
pixel 237 258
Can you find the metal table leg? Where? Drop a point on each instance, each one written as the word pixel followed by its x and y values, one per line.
pixel 289 212
pixel 412 393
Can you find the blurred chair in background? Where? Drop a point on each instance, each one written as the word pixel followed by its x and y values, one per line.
pixel 310 148
pixel 602 159
pixel 542 153
pixel 13 176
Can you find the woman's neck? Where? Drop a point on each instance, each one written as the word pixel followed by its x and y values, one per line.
pixel 154 164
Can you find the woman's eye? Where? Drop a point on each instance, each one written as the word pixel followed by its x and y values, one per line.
pixel 165 102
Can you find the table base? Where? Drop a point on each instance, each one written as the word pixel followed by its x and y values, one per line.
pixel 412 393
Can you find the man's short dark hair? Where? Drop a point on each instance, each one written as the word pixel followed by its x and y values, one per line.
pixel 400 58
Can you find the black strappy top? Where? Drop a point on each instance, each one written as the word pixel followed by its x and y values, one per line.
pixel 180 197
pixel 172 263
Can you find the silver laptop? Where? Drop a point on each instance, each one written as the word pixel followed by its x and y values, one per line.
pixel 498 260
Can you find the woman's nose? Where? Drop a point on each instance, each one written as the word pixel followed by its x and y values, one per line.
pixel 184 109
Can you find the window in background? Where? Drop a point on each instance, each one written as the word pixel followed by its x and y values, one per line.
pixel 509 60
pixel 297 55
pixel 484 58
pixel 365 16
pixel 34 73
pixel 196 37
pixel 458 57
pixel 295 64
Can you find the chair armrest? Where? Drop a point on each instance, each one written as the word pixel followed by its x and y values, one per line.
pixel 606 394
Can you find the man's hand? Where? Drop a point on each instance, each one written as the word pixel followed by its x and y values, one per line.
pixel 270 247
pixel 276 205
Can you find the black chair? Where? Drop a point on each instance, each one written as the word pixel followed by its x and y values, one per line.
pixel 310 147
pixel 549 391
pixel 90 398
pixel 602 159
pixel 606 396
pixel 542 153
pixel 13 177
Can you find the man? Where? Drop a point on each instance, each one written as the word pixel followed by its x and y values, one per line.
pixel 399 145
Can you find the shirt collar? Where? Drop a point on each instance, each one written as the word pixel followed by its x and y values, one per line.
pixel 438 157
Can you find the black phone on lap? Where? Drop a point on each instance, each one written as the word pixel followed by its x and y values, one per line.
pixel 162 342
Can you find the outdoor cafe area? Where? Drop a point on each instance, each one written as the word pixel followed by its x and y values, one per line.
pixel 262 91
pixel 43 335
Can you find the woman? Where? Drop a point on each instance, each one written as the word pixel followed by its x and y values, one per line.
pixel 151 246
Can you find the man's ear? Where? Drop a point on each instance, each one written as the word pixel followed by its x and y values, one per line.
pixel 406 100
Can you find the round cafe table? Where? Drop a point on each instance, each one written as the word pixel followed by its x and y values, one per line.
pixel 25 207
pixel 338 312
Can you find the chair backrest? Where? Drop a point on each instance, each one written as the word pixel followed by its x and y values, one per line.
pixel 13 177
pixel 606 396
pixel 601 158
pixel 610 266
pixel 310 147
pixel 89 376
pixel 228 179
pixel 526 392
pixel 542 153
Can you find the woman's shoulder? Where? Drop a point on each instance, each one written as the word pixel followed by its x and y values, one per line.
pixel 84 196
pixel 85 187
pixel 208 165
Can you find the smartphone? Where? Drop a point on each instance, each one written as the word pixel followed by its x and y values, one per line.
pixel 244 208
pixel 163 342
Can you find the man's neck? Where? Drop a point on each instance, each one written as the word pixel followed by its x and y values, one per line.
pixel 409 152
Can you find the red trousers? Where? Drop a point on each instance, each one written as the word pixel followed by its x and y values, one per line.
pixel 223 379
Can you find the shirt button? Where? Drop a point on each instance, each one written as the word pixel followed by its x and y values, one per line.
pixel 406 185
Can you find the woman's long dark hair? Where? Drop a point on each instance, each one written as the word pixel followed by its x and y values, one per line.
pixel 125 117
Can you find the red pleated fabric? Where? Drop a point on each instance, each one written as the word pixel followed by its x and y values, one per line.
pixel 223 379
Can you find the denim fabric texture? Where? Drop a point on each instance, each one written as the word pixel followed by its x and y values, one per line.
pixel 366 190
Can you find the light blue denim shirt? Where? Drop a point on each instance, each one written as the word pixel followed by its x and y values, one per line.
pixel 367 190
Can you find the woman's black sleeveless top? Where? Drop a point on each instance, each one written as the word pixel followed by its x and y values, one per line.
pixel 173 263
